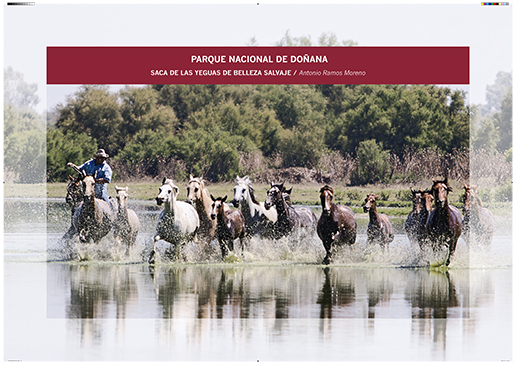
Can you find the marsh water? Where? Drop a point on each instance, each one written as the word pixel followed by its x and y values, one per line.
pixel 277 303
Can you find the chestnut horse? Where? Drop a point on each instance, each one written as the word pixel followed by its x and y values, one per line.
pixel 337 224
pixel 444 224
pixel 289 218
pixel 415 225
pixel 199 197
pixel 379 229
pixel 93 219
pixel 478 224
pixel 230 225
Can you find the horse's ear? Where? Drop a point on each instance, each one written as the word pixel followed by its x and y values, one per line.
pixel 224 199
pixel 163 181
pixel 449 188
pixel 288 191
pixel 212 197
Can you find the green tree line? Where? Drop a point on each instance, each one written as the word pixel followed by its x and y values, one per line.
pixel 210 127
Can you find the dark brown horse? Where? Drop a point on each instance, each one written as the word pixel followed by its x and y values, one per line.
pixel 379 229
pixel 444 224
pixel 74 194
pixel 337 224
pixel 289 218
pixel 230 225
pixel 415 225
pixel 478 224
pixel 74 197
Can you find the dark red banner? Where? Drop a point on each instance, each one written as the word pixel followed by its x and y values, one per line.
pixel 257 65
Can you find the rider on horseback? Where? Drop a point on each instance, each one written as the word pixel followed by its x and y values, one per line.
pixel 103 170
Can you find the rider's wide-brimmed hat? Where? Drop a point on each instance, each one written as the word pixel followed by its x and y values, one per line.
pixel 101 153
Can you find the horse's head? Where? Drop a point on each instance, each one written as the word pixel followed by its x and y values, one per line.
pixel 428 200
pixel 440 190
pixel 167 192
pixel 370 202
pixel 122 195
pixel 88 185
pixel 470 198
pixel 74 193
pixel 326 199
pixel 217 207
pixel 417 200
pixel 240 192
pixel 194 189
pixel 274 195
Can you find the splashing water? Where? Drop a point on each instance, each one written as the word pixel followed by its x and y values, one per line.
pixel 41 239
pixel 298 249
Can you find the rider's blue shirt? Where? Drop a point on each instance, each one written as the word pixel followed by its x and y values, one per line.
pixel 103 171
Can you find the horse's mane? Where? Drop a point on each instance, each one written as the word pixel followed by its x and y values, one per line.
pixel 197 180
pixel 327 188
pixel 473 190
pixel 251 194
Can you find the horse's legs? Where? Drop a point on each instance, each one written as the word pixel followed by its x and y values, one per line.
pixel 242 243
pixel 153 251
pixel 327 245
pixel 224 248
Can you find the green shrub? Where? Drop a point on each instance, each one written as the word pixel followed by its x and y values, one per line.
pixel 354 195
pixel 404 195
pixel 373 163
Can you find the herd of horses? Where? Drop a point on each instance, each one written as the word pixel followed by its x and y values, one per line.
pixel 433 222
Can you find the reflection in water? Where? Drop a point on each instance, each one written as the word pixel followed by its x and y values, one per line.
pixel 336 293
pixel 220 292
pixel 274 301
pixel 194 292
pixel 431 294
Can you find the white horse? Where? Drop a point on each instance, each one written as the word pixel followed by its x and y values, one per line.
pixel 178 223
pixel 258 220
pixel 127 224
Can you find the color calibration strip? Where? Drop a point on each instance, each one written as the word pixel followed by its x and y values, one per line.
pixel 495 3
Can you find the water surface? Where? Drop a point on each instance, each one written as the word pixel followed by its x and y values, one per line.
pixel 278 304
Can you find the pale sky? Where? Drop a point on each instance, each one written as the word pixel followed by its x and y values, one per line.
pixel 28 30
